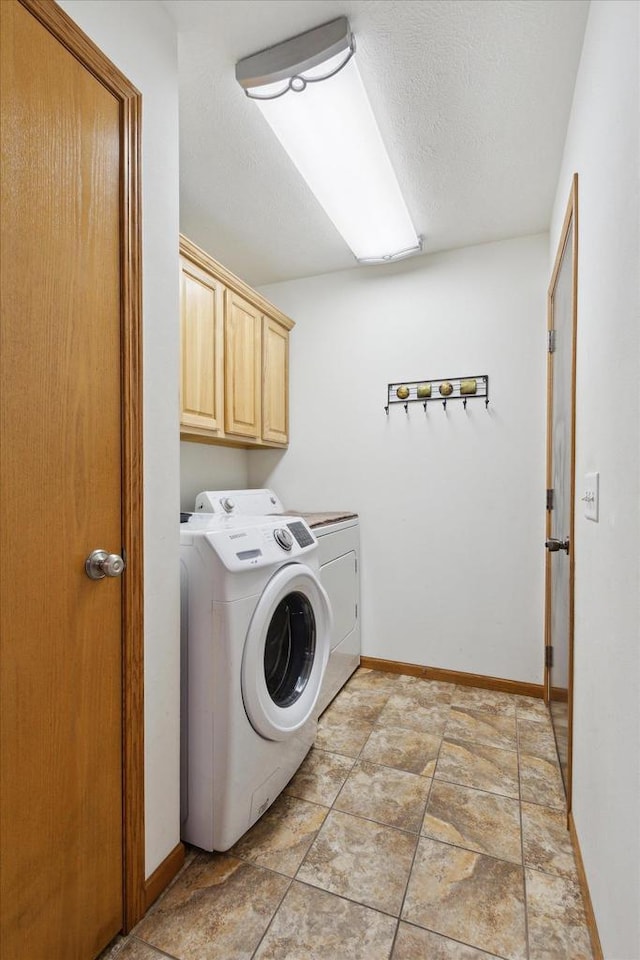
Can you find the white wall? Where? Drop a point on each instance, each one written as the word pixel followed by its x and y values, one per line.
pixel 204 466
pixel 451 504
pixel 602 147
pixel 140 39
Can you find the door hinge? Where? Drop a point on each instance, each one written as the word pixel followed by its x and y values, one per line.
pixel 548 656
pixel 550 499
pixel 551 341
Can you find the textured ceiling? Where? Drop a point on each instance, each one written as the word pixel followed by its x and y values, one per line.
pixel 472 98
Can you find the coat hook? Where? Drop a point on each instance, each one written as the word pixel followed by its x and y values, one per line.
pixel 486 404
pixel 444 404
pixel 425 406
pixel 386 409
pixel 464 403
pixel 406 408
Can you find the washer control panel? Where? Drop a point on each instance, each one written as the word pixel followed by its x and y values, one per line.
pixel 249 542
pixel 283 538
pixel 301 532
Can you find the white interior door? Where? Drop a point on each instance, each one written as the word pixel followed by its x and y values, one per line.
pixel 562 315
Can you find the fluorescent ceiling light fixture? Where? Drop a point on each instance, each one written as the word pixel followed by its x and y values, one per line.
pixel 310 92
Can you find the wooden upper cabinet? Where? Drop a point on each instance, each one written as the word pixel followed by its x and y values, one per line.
pixel 234 357
pixel 275 381
pixel 201 347
pixel 242 367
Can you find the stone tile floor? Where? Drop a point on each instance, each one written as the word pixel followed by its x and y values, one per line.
pixel 426 823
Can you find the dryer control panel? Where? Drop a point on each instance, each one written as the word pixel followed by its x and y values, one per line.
pixel 248 503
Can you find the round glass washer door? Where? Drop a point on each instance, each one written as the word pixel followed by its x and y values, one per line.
pixel 286 652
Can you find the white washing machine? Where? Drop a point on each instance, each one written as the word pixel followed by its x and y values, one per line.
pixel 255 628
pixel 338 536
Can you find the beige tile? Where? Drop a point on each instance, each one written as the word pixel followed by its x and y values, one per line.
pixel 281 838
pixel 388 796
pixel 475 698
pixel 469 897
pixel 312 924
pixel 220 907
pixel 537 740
pixel 320 777
pixel 557 925
pixel 137 950
pixel 339 733
pixel 365 679
pixel 360 860
pixel 414 943
pixel 425 692
pixel 361 703
pixel 532 708
pixel 403 749
pixel 478 765
pixel 546 841
pixel 481 726
pixel 483 822
pixel 540 782
pixel 113 948
pixel 409 714
pixel 405 680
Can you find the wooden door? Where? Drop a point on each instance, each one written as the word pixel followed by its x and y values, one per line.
pixel 202 348
pixel 243 330
pixel 275 381
pixel 69 308
pixel 560 563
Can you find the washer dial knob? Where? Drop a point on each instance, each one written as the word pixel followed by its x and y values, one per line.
pixel 283 538
pixel 227 504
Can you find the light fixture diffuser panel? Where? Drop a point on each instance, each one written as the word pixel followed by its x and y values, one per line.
pixel 331 135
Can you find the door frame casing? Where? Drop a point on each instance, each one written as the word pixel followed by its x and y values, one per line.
pixel 570 220
pixel 63 28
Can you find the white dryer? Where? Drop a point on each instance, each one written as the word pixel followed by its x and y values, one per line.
pixel 338 536
pixel 255 628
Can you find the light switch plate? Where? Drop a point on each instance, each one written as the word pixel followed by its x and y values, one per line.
pixel 591 496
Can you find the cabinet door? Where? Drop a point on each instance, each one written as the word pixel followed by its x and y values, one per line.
pixel 202 346
pixel 242 367
pixel 275 381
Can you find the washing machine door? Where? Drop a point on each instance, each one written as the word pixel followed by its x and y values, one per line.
pixel 286 652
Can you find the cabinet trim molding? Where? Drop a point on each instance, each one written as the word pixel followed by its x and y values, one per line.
pixel 198 256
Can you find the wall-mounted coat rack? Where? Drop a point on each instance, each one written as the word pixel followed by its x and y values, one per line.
pixel 438 391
